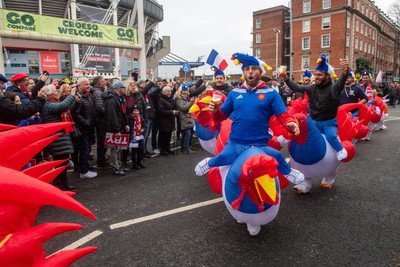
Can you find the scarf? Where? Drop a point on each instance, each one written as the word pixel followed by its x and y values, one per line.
pixel 65 117
pixel 27 92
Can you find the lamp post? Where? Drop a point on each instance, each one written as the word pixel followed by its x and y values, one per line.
pixel 277 31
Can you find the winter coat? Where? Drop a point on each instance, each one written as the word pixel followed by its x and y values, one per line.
pixel 25 97
pixel 184 117
pixel 51 112
pixel 138 100
pixel 131 123
pixel 153 93
pixel 166 119
pixel 225 88
pixel 85 115
pixel 11 112
pixel 115 117
pixel 98 103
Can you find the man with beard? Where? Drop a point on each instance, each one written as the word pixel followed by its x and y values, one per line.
pixel 250 107
pixel 352 93
pixel 324 100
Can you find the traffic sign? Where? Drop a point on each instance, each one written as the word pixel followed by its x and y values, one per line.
pixel 186 67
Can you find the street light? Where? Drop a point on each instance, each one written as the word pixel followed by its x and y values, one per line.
pixel 277 31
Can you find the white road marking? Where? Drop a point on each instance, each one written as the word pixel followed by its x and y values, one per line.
pixel 81 241
pixel 165 213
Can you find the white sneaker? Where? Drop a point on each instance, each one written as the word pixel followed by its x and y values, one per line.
pixel 253 229
pixel 157 151
pixel 341 155
pixel 202 167
pixel 282 140
pixel 88 175
pixel 295 176
pixel 327 182
pixel 304 187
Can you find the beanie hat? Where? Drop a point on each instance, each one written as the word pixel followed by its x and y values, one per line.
pixel 307 74
pixel 365 72
pixel 3 78
pixel 246 61
pixel 322 65
pixel 217 71
pixel 184 87
pixel 19 76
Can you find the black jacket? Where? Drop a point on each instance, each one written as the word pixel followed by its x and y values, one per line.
pixel 153 93
pixel 85 115
pixel 324 100
pixel 225 88
pixel 115 118
pixel 10 112
pixel 98 103
pixel 166 119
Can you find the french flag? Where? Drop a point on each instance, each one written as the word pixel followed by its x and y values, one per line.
pixel 214 59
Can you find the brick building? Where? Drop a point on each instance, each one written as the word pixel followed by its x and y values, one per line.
pixel 348 29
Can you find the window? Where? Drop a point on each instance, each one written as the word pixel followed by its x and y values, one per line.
pixel 349 3
pixel 306 43
pixel 327 56
pixel 365 47
pixel 258 23
pixel 357 25
pixel 369 48
pixel 362 8
pixel 361 28
pixel 348 22
pixel 347 40
pixel 258 38
pixel 325 40
pixel 258 52
pixel 306 6
pixel 361 44
pixel 326 4
pixel 326 22
pixel 305 62
pixel 356 43
pixel 347 57
pixel 374 17
pixel 306 25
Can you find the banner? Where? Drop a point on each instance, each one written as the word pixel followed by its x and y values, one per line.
pixel 112 140
pixel 100 57
pixel 50 62
pixel 28 22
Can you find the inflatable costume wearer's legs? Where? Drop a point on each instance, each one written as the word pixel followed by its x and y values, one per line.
pixel 228 155
pixel 330 129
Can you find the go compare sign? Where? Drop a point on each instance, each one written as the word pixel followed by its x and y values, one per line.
pixel 28 22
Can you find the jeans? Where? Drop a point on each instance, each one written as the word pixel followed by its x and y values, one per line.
pixel 149 124
pixel 330 129
pixel 101 149
pixel 116 157
pixel 84 149
pixel 186 139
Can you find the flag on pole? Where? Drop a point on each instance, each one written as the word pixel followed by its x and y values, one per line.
pixel 215 59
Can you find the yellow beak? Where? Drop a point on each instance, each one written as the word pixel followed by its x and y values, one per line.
pixel 267 184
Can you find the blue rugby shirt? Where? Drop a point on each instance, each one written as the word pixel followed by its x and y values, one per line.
pixel 250 112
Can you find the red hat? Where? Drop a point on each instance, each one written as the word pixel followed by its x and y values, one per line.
pixel 56 85
pixel 19 76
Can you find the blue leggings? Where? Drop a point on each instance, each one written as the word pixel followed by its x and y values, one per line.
pixel 232 150
pixel 330 129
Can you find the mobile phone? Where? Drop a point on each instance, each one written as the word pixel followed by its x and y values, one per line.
pixel 45 72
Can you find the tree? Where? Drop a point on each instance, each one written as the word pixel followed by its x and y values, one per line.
pixel 394 11
pixel 363 63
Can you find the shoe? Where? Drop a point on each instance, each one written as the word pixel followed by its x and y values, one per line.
pixel 125 169
pixel 192 148
pixel 383 127
pixel 295 176
pixel 136 167
pixel 141 166
pixel 189 151
pixel 69 187
pixel 88 175
pixel 71 163
pixel 304 187
pixel 253 229
pixel 147 155
pixel 119 172
pixel 202 167
pixel 327 182
pixel 156 151
pixel 103 166
pixel 341 155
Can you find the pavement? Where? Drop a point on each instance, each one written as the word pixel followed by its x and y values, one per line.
pixel 165 215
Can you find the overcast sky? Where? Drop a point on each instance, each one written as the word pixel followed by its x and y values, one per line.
pixel 196 26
